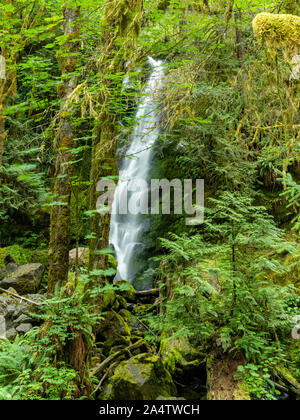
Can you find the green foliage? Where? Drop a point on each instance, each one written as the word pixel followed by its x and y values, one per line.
pixel 35 367
pixel 218 283
pixel 229 118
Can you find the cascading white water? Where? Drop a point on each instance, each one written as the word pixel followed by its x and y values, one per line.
pixel 126 230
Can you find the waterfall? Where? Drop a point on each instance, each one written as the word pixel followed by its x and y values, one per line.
pixel 127 230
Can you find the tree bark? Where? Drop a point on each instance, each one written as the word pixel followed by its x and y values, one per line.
pixel 61 212
pixel 241 51
pixel 8 84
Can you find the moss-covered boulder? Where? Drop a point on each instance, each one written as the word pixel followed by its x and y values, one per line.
pixel 142 377
pixel 126 290
pixel 114 331
pixel 3 258
pixel 14 253
pixel 177 352
pixel 26 279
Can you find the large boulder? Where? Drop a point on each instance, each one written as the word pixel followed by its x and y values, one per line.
pixel 83 255
pixel 26 279
pixel 143 377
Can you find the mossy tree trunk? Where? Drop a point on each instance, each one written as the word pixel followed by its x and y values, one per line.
pixel 121 23
pixel 15 38
pixel 64 143
pixel 9 83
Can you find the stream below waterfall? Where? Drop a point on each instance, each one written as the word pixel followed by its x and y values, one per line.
pixel 128 227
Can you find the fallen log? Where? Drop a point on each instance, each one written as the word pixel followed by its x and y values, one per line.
pixel 147 293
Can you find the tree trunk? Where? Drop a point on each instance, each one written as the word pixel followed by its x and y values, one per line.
pixel 8 83
pixel 241 52
pixel 61 211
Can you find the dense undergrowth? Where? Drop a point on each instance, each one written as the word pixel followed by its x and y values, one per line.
pixel 230 116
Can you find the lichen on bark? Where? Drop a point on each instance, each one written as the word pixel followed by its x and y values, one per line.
pixel 64 143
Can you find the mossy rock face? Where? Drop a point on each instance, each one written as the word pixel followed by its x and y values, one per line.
pixel 26 279
pixel 3 256
pixel 143 377
pixel 109 299
pixel 176 352
pixel 126 290
pixel 114 331
pixel 141 309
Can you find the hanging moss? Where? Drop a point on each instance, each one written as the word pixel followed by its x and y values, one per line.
pixel 279 32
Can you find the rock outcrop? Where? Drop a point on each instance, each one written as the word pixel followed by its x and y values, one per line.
pixel 143 377
pixel 25 279
pixel 15 315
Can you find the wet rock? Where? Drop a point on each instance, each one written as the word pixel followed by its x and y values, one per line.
pixel 143 377
pixel 26 279
pixel 10 309
pixel 24 328
pixel 11 334
pixel 17 313
pixel 10 268
pixel 22 319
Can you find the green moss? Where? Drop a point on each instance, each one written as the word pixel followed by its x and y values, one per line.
pixel 126 315
pixel 142 309
pixel 3 255
pixel 112 262
pixel 109 299
pixel 20 255
pixel 278 31
pixel 115 331
pixel 242 393
pixel 177 352
pixel 171 354
pixel 40 256
pixel 125 290
pixel 143 377
pixel 289 377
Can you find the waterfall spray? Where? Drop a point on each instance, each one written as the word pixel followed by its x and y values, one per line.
pixel 126 230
